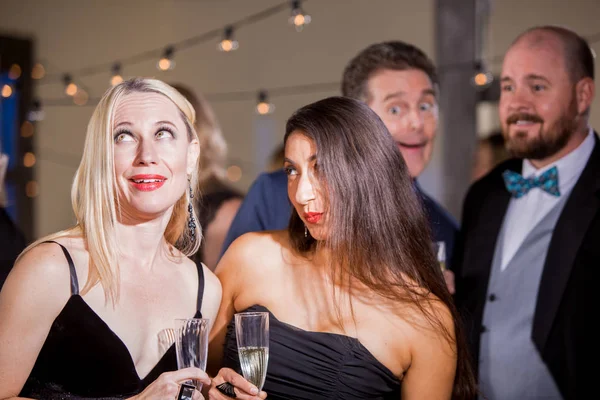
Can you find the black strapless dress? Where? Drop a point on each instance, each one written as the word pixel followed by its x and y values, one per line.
pixel 83 358
pixel 307 365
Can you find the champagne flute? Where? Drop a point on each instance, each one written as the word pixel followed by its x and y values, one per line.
pixel 252 335
pixel 191 344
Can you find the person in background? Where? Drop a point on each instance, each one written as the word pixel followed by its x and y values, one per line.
pixel 358 307
pixel 399 82
pixel 527 255
pixel 218 201
pixel 12 240
pixel 82 309
pixel 490 152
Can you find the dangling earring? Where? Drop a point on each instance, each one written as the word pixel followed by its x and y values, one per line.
pixel 192 220
pixel 305 231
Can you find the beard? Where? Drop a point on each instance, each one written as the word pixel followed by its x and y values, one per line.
pixel 549 141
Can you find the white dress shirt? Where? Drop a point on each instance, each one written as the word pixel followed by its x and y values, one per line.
pixel 524 213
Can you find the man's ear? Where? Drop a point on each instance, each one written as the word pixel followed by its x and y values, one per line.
pixel 585 90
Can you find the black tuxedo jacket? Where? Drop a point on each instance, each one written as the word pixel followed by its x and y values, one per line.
pixel 12 242
pixel 569 275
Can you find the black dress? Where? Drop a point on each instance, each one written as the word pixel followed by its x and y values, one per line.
pixel 307 365
pixel 83 358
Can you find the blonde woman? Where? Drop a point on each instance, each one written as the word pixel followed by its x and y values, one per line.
pixel 81 311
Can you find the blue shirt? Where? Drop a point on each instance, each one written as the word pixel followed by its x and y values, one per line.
pixel 267 207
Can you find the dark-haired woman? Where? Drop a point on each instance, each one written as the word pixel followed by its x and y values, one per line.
pixel 358 305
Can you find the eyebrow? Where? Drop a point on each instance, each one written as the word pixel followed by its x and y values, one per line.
pixel 395 94
pixel 401 93
pixel 156 123
pixel 532 77
pixel 529 77
pixel 310 159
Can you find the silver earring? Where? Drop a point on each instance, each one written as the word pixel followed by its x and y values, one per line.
pixel 192 220
pixel 305 231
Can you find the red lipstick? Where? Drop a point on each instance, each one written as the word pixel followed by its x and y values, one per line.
pixel 147 182
pixel 313 217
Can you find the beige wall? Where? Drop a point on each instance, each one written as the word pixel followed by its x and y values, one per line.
pixel 73 34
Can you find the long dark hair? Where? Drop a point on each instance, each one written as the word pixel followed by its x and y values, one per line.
pixel 378 232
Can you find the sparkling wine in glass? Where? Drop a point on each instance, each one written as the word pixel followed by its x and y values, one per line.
pixel 252 334
pixel 191 344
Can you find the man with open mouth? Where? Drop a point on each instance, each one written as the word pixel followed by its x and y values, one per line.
pixel 399 82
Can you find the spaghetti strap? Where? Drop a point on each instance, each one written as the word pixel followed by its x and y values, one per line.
pixel 200 268
pixel 74 281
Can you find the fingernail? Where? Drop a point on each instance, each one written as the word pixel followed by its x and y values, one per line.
pixel 254 390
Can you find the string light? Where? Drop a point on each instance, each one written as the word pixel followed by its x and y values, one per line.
pixel 483 77
pixel 6 91
pixel 27 129
pixel 228 43
pixel 263 107
pixel 15 72
pixel 298 17
pixel 29 159
pixel 70 86
pixel 81 97
pixel 116 74
pixel 166 62
pixel 234 173
pixel 38 71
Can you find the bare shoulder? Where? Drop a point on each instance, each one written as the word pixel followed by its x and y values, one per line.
pixel 430 327
pixel 42 272
pixel 432 351
pixel 429 318
pixel 47 261
pixel 253 257
pixel 251 242
pixel 254 249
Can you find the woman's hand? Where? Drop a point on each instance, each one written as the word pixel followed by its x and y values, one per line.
pixel 244 390
pixel 167 385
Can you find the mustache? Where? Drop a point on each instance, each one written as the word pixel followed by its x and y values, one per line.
pixel 513 118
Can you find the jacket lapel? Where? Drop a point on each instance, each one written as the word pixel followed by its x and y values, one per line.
pixel 494 211
pixel 581 207
pixel 483 238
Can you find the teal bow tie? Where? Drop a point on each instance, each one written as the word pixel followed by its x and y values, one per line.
pixel 518 186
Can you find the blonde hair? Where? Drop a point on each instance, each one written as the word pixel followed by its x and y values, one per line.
pixel 94 194
pixel 213 157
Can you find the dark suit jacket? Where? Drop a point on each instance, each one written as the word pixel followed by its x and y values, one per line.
pixel 12 242
pixel 267 207
pixel 566 282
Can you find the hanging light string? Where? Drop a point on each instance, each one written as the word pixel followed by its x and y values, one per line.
pixel 155 54
pixel 224 97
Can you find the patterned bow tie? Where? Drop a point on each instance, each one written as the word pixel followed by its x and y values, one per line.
pixel 519 186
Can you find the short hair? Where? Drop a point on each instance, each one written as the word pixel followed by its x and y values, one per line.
pixel 578 55
pixel 394 55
